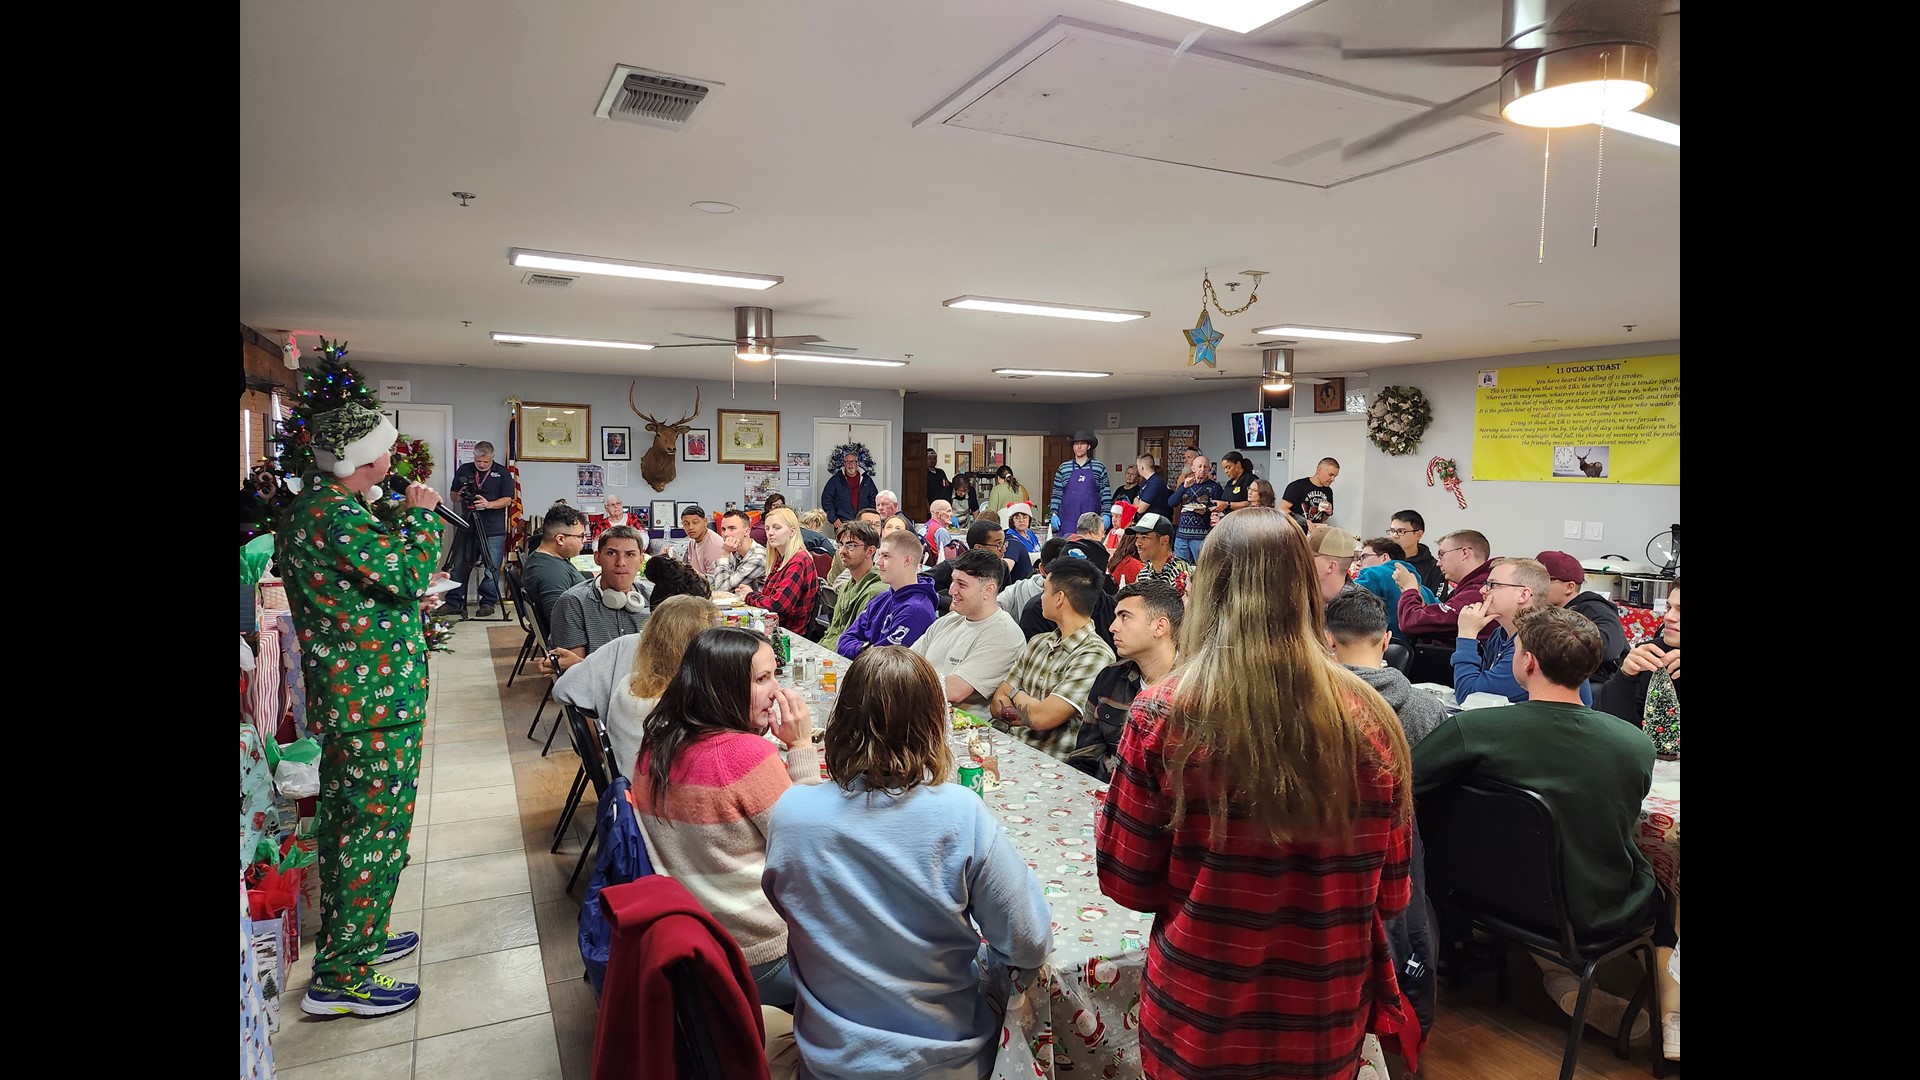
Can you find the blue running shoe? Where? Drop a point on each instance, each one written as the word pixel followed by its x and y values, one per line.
pixel 399 945
pixel 377 995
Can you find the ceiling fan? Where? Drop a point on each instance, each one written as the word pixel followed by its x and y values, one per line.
pixel 753 339
pixel 1276 371
pixel 1560 61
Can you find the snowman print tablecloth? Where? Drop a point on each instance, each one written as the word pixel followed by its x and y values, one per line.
pixel 1078 1016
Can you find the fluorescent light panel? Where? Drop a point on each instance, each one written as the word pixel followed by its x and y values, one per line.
pixel 1335 333
pixel 1053 373
pixel 1647 127
pixel 591 264
pixel 819 358
pixel 1239 16
pixel 591 343
pixel 1035 307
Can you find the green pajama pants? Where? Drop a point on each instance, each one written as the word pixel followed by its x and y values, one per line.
pixel 368 783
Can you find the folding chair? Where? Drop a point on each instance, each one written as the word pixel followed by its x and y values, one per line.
pixel 511 575
pixel 596 767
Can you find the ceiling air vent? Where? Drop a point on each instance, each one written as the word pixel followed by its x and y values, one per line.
pixel 546 281
pixel 639 96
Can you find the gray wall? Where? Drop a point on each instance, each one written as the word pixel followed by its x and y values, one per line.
pixel 1519 518
pixel 478 397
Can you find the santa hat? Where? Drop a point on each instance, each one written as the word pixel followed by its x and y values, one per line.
pixel 349 437
pixel 1007 512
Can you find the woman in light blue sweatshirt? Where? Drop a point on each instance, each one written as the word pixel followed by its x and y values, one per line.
pixel 888 879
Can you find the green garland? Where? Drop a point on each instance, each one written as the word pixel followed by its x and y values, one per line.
pixel 1397 419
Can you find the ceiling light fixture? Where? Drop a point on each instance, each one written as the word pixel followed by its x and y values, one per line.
pixel 1056 372
pixel 1577 85
pixel 754 353
pixel 1239 16
pixel 709 207
pixel 1647 127
pixel 1276 383
pixel 1036 307
pixel 819 358
pixel 591 343
pixel 593 264
pixel 1335 333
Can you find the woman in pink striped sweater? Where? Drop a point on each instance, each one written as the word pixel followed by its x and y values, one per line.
pixel 707 781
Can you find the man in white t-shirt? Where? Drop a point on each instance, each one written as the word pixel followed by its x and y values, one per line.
pixel 973 646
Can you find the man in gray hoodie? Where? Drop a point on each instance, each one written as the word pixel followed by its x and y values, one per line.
pixel 1358 635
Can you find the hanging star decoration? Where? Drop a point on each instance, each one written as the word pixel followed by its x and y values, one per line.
pixel 1202 339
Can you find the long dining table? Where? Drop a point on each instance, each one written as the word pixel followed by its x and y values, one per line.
pixel 1078 1015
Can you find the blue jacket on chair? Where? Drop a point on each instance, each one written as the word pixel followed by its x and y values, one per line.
pixel 622 858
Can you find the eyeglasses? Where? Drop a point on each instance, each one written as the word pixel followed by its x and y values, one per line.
pixel 1447 551
pixel 1398 532
pixel 574 536
pixel 1501 584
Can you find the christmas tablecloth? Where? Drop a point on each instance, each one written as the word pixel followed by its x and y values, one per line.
pixel 1658 835
pixel 1639 623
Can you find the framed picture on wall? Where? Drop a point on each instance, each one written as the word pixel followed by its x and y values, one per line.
pixel 666 516
pixel 996 451
pixel 962 461
pixel 749 437
pixel 1330 396
pixel 551 432
pixel 616 443
pixel 699 445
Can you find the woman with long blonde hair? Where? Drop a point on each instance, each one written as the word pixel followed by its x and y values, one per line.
pixel 899 994
pixel 793 582
pixel 648 659
pixel 1262 809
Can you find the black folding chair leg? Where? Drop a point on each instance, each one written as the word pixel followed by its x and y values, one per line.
pixel 519 664
pixel 557 718
pixel 535 726
pixel 574 795
pixel 584 853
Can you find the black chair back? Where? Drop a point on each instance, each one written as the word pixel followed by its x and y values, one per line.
pixel 1398 657
pixel 1493 847
pixel 518 594
pixel 823 607
pixel 592 748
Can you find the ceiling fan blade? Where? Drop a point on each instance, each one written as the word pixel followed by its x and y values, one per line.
pixel 703 337
pixel 1499 56
pixel 701 345
pixel 793 339
pixel 1465 103
pixel 819 348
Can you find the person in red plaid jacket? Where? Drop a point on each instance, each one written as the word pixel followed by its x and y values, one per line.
pixel 1268 956
pixel 793 582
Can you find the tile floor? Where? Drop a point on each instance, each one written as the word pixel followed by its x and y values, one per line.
pixel 485 1011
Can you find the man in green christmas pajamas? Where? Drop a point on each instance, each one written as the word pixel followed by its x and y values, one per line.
pixel 355 584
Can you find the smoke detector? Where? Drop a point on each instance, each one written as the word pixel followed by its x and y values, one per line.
pixel 637 95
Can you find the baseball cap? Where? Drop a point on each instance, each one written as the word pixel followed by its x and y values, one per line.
pixel 1152 523
pixel 1334 543
pixel 1562 567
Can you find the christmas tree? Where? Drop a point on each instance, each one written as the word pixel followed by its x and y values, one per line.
pixel 279 478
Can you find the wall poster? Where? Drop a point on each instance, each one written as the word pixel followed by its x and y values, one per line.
pixel 1586 421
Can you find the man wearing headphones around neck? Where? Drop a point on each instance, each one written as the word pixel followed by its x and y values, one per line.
pixel 593 613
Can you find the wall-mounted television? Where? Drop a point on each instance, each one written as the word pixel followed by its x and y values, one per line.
pixel 1253 430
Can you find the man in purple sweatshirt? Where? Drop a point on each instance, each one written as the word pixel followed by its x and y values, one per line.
pixel 901 614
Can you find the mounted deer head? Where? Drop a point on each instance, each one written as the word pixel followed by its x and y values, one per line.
pixel 658 467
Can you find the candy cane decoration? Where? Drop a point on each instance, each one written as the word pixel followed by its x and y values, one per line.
pixel 1449 475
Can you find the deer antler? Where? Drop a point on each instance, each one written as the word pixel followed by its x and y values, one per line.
pixel 651 420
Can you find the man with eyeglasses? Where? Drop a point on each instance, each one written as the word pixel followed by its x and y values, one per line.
pixel 1486 667
pixel 1373 567
pixel 549 571
pixel 984 532
pixel 858 542
pixel 1406 530
pixel 1462 558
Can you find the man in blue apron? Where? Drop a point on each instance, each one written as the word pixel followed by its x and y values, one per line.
pixel 1080 486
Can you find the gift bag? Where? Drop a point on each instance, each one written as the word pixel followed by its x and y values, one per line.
pixel 297 776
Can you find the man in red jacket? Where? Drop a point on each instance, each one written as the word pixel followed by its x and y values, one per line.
pixel 1462 557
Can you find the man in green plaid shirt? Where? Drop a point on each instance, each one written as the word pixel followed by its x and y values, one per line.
pixel 1041 700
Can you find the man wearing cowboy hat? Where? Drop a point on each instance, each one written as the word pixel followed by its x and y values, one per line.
pixel 1080 486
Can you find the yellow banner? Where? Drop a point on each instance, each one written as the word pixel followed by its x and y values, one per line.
pixel 1581 422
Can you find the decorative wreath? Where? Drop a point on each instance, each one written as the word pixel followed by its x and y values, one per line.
pixel 857 449
pixel 1398 418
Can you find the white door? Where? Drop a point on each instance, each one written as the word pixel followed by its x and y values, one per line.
pixel 829 433
pixel 1344 441
pixel 433 423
